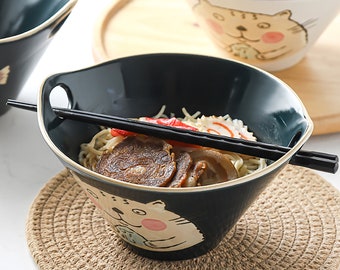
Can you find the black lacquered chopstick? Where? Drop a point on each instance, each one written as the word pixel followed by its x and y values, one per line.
pixel 311 159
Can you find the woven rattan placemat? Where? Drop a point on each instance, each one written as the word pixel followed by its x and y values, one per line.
pixel 294 224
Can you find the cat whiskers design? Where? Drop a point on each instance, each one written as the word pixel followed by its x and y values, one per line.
pixel 180 220
pixel 309 23
pixel 303 27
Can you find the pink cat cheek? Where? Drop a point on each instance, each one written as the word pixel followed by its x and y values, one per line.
pixel 153 224
pixel 272 37
pixel 95 202
pixel 217 28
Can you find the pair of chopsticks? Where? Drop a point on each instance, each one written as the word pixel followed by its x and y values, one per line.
pixel 311 159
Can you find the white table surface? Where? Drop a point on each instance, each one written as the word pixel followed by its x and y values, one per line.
pixel 26 163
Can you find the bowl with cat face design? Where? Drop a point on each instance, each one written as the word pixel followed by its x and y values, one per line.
pixel 26 29
pixel 272 35
pixel 156 219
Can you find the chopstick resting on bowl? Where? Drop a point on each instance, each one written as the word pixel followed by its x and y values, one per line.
pixel 311 159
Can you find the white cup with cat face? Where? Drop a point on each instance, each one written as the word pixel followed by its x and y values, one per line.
pixel 270 34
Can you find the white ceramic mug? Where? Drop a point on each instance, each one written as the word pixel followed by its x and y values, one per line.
pixel 270 34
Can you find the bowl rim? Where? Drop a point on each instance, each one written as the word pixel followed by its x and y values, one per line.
pixel 240 180
pixel 58 16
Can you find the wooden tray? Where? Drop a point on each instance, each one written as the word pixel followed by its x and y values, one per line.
pixel 131 27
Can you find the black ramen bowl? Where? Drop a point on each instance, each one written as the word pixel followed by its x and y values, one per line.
pixel 26 29
pixel 176 223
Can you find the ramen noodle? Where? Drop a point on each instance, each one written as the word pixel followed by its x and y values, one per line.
pixel 200 167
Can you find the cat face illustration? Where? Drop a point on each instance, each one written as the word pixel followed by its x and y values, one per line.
pixel 250 35
pixel 146 225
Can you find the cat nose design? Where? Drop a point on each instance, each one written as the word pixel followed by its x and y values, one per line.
pixel 117 210
pixel 241 28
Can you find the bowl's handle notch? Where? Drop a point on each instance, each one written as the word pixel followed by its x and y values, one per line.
pixel 295 138
pixel 61 17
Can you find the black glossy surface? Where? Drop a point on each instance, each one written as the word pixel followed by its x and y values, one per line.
pixel 19 16
pixel 21 53
pixel 139 86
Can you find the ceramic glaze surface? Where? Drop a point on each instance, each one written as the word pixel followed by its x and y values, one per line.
pixel 17 17
pixel 26 29
pixel 139 86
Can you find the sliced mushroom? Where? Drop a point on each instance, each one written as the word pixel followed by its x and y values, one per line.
pixel 140 160
pixel 218 167
pixel 183 165
pixel 195 174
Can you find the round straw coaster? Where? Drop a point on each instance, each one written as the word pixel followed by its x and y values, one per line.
pixel 295 224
